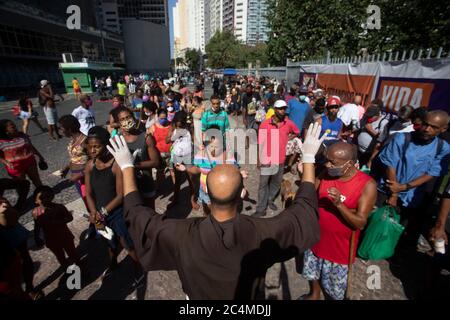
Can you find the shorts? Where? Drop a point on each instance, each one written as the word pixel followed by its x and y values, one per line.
pixel 332 276
pixel 21 166
pixel 165 160
pixel 186 160
pixel 145 184
pixel 294 146
pixel 116 222
pixel 51 115
pixel 77 90
pixel 203 197
pixel 25 115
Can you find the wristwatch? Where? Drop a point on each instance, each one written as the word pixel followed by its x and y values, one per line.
pixel 103 211
pixel 408 186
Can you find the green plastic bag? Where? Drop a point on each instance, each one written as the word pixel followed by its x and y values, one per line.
pixel 382 234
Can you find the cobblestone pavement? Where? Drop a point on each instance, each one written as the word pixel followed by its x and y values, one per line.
pixel 282 281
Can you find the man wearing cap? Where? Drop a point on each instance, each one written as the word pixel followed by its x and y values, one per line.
pixel 330 122
pixel 273 136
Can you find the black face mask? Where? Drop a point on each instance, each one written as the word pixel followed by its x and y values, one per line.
pixel 332 116
pixel 279 116
pixel 319 110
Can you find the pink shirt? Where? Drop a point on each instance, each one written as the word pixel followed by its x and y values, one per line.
pixel 361 111
pixel 279 135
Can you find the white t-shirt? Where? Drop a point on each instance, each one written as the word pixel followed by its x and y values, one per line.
pixel 398 126
pixel 108 82
pixel 349 113
pixel 85 117
pixel 364 138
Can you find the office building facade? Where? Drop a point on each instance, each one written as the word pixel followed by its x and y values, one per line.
pixel 33 39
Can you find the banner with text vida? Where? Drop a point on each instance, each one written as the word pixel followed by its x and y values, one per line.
pixel 397 92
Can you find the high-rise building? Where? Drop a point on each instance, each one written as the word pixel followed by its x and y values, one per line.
pixel 34 35
pixel 245 18
pixel 240 20
pixel 228 14
pixel 214 22
pixel 189 26
pixel 112 12
pixel 257 29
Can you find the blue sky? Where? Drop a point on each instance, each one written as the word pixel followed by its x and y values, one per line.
pixel 171 5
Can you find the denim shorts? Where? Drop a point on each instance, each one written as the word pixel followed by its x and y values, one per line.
pixel 116 222
pixel 203 197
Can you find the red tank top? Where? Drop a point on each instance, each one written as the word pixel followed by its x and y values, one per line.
pixel 160 135
pixel 335 233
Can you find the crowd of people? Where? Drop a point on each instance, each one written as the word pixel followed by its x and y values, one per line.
pixel 349 156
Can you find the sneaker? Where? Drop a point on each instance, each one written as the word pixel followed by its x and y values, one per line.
pixel 273 206
pixel 139 281
pixel 259 214
pixel 108 272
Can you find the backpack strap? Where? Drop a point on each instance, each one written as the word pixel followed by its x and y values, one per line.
pixel 440 146
pixel 406 143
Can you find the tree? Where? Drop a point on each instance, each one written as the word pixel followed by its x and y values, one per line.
pixel 193 57
pixel 223 50
pixel 309 28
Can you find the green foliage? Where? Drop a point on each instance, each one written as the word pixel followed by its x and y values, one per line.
pixel 307 29
pixel 225 51
pixel 193 59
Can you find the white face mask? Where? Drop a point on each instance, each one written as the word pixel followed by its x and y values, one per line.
pixel 148 114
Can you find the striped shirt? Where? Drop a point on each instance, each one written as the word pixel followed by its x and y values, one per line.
pixel 211 119
pixel 16 149
pixel 206 165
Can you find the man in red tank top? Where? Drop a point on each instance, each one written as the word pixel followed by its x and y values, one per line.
pixel 346 197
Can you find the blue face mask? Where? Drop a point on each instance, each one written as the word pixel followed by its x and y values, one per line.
pixel 163 121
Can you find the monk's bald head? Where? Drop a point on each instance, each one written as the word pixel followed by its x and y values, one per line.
pixel 342 151
pixel 224 184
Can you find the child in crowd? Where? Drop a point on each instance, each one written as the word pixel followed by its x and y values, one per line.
pixel 53 218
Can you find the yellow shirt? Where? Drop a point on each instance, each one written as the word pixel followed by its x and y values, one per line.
pixel 75 84
pixel 121 88
pixel 270 113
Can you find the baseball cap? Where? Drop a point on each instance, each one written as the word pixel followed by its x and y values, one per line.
pixel 44 83
pixel 280 104
pixel 334 101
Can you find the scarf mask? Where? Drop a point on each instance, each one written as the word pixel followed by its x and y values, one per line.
pixel 128 124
